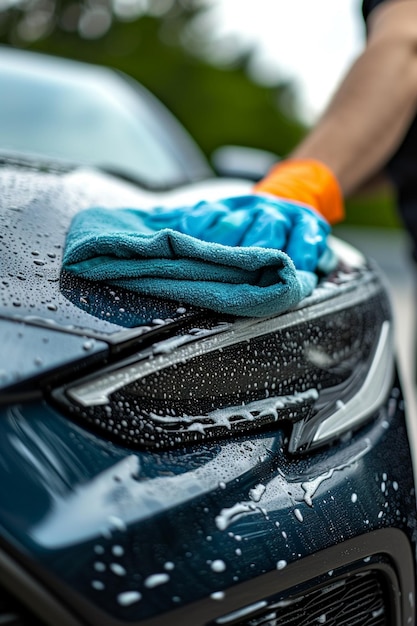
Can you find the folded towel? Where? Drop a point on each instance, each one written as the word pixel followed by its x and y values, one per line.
pixel 221 255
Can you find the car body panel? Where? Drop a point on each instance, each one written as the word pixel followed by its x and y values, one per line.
pixel 180 525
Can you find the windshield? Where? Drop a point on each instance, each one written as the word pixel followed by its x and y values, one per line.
pixel 89 116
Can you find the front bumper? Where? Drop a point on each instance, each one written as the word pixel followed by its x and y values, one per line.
pixel 113 537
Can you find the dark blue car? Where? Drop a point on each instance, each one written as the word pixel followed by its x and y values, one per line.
pixel 160 463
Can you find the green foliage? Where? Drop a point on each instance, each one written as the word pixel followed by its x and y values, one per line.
pixel 376 209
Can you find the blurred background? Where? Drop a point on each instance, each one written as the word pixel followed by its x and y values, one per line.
pixel 233 71
pixel 240 72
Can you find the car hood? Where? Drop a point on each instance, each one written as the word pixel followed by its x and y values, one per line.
pixel 35 211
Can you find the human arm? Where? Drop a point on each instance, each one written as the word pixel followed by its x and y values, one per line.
pixel 371 110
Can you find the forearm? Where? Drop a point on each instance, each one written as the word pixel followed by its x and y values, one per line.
pixel 374 105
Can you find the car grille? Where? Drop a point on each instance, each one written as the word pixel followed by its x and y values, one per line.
pixel 13 613
pixel 356 600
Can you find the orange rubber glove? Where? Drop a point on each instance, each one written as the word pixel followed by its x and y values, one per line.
pixel 307 181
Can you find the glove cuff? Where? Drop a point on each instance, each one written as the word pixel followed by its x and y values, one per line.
pixel 307 181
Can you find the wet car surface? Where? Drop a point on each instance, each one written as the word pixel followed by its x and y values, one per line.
pixel 163 462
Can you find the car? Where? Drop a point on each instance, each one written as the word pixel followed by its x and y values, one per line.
pixel 159 461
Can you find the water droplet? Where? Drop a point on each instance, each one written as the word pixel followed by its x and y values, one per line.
pixel 169 565
pixel 155 580
pixel 218 565
pixel 99 566
pixel 118 550
pixel 97 584
pixel 117 569
pixel 256 493
pixel 218 595
pixel 128 597
pixel 117 522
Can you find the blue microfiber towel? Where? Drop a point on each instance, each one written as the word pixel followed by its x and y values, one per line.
pixel 222 255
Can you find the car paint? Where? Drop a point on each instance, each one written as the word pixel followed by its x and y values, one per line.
pixel 182 525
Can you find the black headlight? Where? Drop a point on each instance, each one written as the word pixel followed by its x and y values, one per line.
pixel 323 369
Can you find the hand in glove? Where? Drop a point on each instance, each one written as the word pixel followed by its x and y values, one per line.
pixel 307 181
pixel 263 221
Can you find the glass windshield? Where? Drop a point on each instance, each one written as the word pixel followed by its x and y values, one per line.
pixel 90 117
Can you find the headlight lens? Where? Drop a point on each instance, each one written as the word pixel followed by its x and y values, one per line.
pixel 323 370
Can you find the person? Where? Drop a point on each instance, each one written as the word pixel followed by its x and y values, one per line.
pixel 370 124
